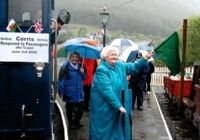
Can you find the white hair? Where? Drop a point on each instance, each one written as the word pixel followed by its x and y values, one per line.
pixel 105 50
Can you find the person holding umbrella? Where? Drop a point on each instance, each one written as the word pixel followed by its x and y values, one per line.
pixel 137 85
pixel 106 105
pixel 70 89
pixel 148 72
pixel 90 65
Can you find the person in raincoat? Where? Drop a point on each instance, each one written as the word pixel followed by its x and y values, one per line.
pixel 109 119
pixel 70 89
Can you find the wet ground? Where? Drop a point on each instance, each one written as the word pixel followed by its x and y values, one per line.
pixel 147 124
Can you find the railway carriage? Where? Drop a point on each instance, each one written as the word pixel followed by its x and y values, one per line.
pixel 190 105
pixel 26 70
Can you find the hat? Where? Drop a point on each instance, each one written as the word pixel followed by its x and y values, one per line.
pixel 63 17
pixel 60 21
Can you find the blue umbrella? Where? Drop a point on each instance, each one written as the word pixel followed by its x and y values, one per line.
pixel 132 56
pixel 85 50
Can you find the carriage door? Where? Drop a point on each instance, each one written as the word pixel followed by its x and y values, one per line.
pixel 25 79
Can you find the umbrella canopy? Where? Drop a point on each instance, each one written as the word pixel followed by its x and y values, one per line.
pixel 146 48
pixel 130 53
pixel 122 44
pixel 61 52
pixel 125 54
pixel 81 40
pixel 85 50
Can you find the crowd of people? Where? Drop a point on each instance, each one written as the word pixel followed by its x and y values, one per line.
pixel 104 91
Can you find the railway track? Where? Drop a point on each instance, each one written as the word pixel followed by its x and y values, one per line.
pixel 179 127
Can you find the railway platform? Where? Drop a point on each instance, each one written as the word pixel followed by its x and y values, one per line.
pixel 148 124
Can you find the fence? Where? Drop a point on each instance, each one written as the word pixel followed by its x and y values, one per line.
pixel 160 72
pixel 157 76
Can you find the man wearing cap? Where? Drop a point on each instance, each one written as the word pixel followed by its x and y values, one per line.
pixel 53 27
pixel 63 18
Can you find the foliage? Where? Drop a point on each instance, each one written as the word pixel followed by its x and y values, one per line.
pixel 193 40
pixel 62 37
pixel 82 31
pixel 155 17
pixel 74 30
pixel 193 37
pixel 159 63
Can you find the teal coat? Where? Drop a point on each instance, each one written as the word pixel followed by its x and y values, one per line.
pixel 105 121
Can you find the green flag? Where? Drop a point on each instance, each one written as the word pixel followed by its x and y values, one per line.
pixel 169 53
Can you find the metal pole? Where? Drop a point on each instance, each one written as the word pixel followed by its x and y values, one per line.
pixel 183 62
pixel 104 35
pixel 123 115
pixel 55 61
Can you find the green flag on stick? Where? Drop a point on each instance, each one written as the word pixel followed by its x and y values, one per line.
pixel 169 53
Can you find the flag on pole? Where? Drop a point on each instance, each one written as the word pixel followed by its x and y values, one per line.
pixel 12 26
pixel 169 53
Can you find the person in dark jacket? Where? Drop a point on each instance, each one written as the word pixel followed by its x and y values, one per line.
pixel 63 18
pixel 70 89
pixel 148 72
pixel 137 84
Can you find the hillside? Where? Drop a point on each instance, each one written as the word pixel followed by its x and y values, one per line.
pixel 155 17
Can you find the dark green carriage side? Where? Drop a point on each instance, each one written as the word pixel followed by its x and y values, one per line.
pixel 25 98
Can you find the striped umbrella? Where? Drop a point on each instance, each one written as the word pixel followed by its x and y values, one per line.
pixel 122 44
pixel 61 51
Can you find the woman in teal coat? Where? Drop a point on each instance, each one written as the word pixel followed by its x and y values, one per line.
pixel 109 120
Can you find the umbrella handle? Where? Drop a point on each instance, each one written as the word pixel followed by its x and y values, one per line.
pixel 82 62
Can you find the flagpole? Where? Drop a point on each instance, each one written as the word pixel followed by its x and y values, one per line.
pixel 19 28
pixel 183 62
pixel 55 78
pixel 29 29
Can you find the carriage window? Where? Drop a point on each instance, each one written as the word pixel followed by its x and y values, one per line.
pixel 25 12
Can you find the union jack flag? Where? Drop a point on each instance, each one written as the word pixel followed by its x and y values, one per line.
pixel 38 26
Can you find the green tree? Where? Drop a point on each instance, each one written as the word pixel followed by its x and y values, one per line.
pixel 82 32
pixel 193 40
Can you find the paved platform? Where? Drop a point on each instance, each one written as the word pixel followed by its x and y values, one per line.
pixel 147 124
